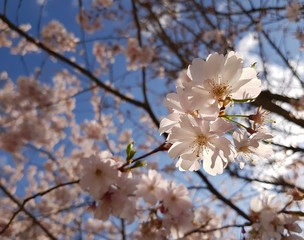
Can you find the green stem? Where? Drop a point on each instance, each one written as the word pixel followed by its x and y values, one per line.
pixel 236 115
pixel 243 100
pixel 231 120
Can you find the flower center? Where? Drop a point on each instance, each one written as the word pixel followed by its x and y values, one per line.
pixel 200 143
pixel 98 172
pixel 244 149
pixel 220 91
pixel 194 113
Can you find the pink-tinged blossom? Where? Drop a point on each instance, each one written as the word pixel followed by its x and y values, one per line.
pixel 32 90
pixel 94 225
pixel 137 56
pixel 151 230
pixel 204 215
pixel 103 3
pixel 260 118
pixel 24 47
pixel 181 104
pixel 89 21
pixel 98 174
pixel 105 54
pixel 197 139
pixel 101 53
pixel 224 77
pixel 217 36
pixel 247 145
pixel 150 187
pixel 293 11
pixel 269 223
pixel 93 130
pixel 119 200
pixel 177 226
pixel 6 35
pixel 176 199
pixel 56 37
pixel 183 80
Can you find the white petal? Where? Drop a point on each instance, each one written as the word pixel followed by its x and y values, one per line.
pixel 256 205
pixel 179 148
pixel 168 122
pixel 250 89
pixel 190 161
pixel 248 73
pixel 172 101
pixel 212 167
pixel 194 71
pixel 233 70
pixel 220 126
pixel 225 146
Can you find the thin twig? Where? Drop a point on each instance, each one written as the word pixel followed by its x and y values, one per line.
pixel 21 205
pixel 72 64
pixel 221 197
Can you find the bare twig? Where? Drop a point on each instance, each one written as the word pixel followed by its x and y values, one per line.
pixel 21 205
pixel 221 197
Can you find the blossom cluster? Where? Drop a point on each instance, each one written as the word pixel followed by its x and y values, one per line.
pixel 29 112
pixel 117 193
pixel 137 55
pixel 270 223
pixel 56 37
pixel 294 11
pixel 105 54
pixel 88 21
pixel 7 36
pixel 198 123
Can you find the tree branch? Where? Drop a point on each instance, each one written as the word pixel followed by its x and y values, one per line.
pixel 221 197
pixel 71 64
pixel 21 205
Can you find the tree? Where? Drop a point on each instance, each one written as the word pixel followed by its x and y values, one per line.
pixel 148 119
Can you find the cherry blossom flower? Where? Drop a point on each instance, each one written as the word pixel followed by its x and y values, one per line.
pixel 98 173
pixel 151 230
pixel 224 77
pixel 136 55
pixel 56 37
pixel 293 10
pixel 269 223
pixel 105 54
pixel 180 104
pixel 118 200
pixel 203 216
pixel 24 47
pixel 6 35
pixel 247 145
pixel 260 118
pixel 218 36
pixel 88 21
pixel 150 187
pixel 178 226
pixel 183 80
pixel 93 130
pixel 103 3
pixel 175 199
pixel 197 139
